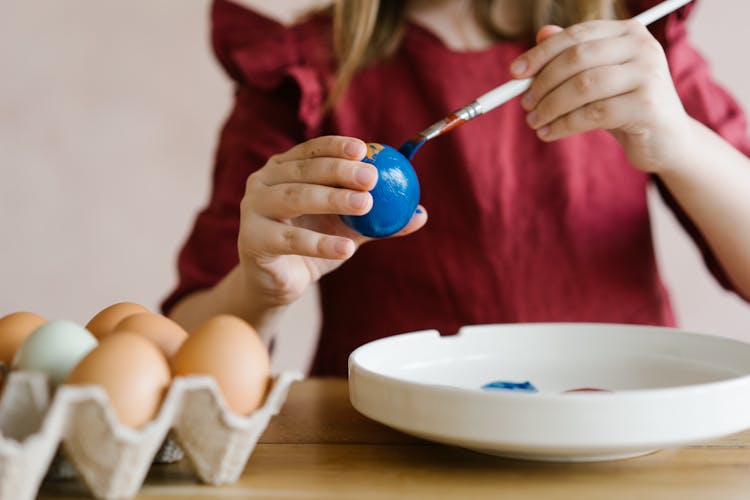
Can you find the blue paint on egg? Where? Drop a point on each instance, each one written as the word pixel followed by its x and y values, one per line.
pixel 505 385
pixel 395 195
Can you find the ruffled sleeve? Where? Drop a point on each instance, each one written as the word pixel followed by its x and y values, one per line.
pixel 260 52
pixel 281 75
pixel 704 100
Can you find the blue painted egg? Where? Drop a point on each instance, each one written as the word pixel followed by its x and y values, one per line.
pixel 395 195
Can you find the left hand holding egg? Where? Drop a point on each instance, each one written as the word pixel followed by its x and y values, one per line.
pixel 291 233
pixel 609 75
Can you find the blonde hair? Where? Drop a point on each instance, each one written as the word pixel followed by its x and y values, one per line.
pixel 365 31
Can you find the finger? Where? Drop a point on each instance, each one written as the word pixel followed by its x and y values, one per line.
pixel 607 114
pixel 547 31
pixel 537 57
pixel 286 201
pixel 277 238
pixel 575 60
pixel 584 88
pixel 335 146
pixel 324 171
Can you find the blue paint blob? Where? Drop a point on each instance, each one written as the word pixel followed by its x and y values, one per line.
pixel 395 195
pixel 505 385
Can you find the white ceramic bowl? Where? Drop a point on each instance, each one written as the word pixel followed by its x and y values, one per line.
pixel 668 388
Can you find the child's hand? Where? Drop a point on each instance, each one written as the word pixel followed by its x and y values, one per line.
pixel 290 232
pixel 605 75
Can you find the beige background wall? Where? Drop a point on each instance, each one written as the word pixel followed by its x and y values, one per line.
pixel 108 117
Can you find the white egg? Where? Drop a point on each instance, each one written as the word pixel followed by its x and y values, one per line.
pixel 54 348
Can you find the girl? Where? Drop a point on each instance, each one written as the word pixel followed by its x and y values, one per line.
pixel 537 210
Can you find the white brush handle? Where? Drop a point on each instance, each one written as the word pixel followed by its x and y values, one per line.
pixel 658 11
pixel 503 94
pixel 508 91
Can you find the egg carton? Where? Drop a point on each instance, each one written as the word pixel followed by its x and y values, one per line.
pixel 111 459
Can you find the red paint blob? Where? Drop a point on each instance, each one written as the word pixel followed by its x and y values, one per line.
pixel 586 389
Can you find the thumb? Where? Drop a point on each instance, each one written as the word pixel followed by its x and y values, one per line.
pixel 547 31
pixel 418 220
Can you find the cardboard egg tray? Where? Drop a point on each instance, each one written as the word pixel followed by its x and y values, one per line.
pixel 111 459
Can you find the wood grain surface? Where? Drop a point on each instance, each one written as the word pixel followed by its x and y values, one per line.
pixel 319 447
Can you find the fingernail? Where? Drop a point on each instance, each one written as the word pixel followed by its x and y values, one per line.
pixel 527 101
pixel 518 66
pixel 419 211
pixel 341 246
pixel 543 132
pixel 365 176
pixel 358 200
pixel 354 150
pixel 532 118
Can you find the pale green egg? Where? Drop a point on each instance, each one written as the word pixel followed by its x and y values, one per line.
pixel 54 348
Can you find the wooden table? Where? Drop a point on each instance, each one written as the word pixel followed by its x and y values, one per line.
pixel 319 447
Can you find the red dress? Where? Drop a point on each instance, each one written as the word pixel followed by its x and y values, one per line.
pixel 519 230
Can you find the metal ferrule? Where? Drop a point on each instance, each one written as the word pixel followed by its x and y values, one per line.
pixel 464 114
pixel 433 130
pixel 470 111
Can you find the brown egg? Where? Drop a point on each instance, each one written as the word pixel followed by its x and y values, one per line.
pixel 165 333
pixel 133 372
pixel 14 328
pixel 230 350
pixel 105 320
